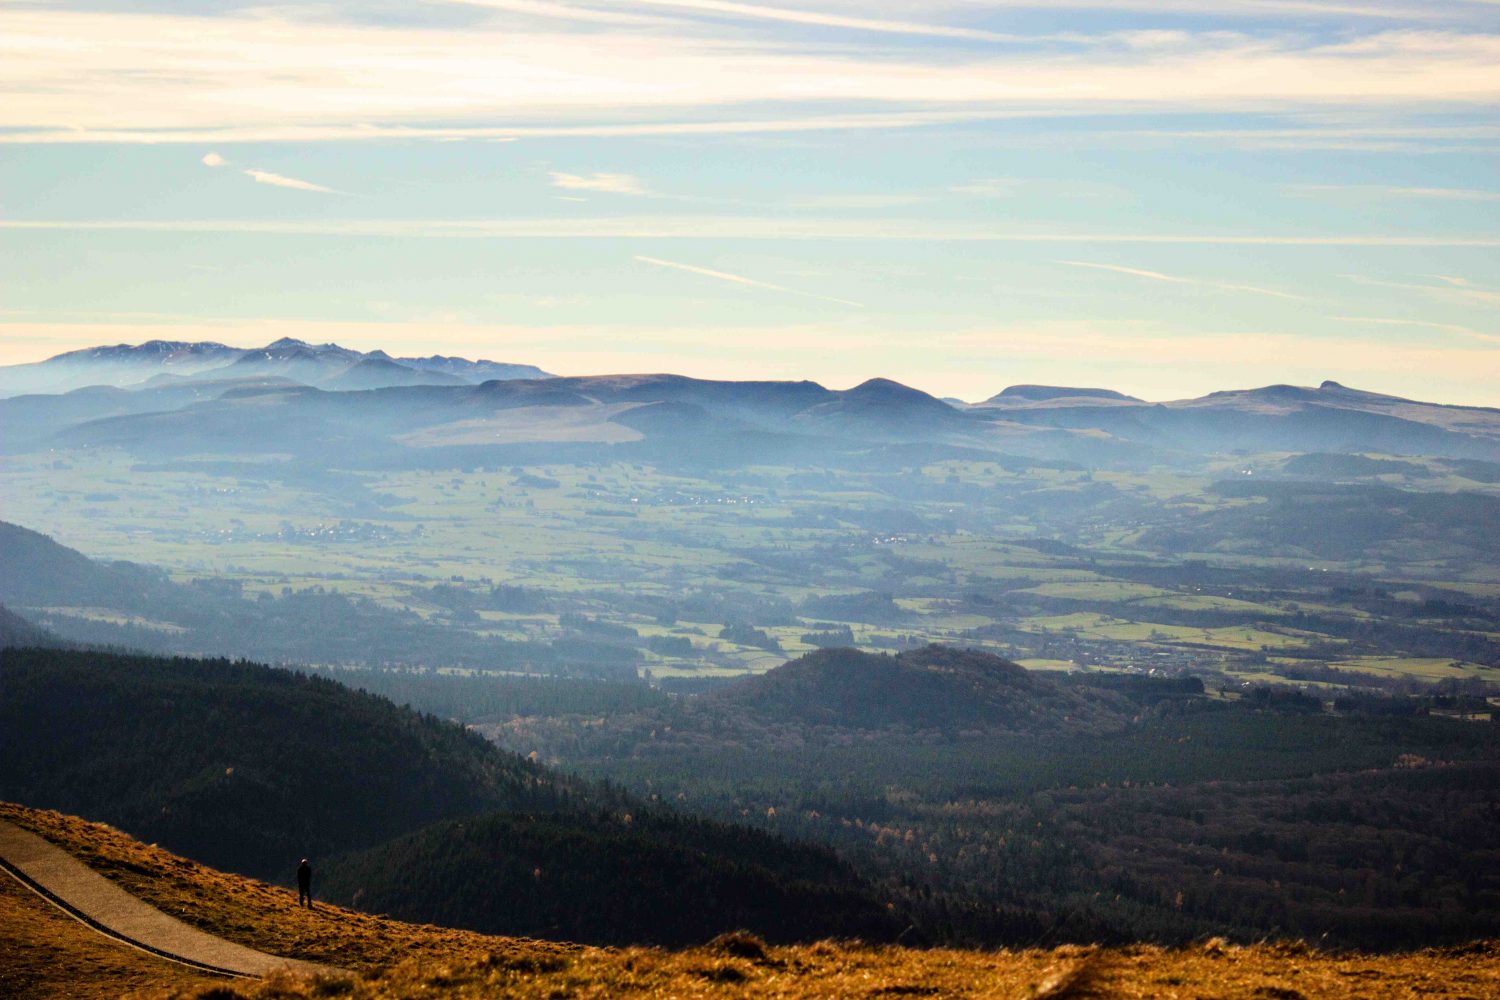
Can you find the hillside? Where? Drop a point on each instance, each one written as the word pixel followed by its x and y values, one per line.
pixel 248 768
pixel 238 765
pixel 837 698
pixel 16 631
pixel 936 687
pixel 644 876
pixel 36 571
pixel 50 956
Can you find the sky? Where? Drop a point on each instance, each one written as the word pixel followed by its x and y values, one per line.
pixel 1165 198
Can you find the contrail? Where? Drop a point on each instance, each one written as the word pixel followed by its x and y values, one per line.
pixel 741 280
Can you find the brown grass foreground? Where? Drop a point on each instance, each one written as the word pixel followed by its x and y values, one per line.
pixel 47 954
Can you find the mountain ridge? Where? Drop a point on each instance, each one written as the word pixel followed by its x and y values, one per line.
pixel 131 365
pixel 331 403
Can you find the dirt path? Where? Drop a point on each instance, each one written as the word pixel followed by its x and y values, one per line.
pixel 91 898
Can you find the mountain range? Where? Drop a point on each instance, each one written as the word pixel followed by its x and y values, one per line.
pixel 361 410
pixel 159 363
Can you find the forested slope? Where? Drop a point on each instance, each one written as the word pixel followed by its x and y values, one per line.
pixel 239 765
pixel 248 768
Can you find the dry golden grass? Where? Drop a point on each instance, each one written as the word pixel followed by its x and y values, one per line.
pixel 395 961
pixel 47 955
pixel 250 912
pixel 852 970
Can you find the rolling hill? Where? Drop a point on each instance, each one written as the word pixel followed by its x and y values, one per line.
pixel 247 768
pixel 242 766
pixel 933 688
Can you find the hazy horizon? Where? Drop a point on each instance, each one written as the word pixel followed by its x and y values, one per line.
pixel 839 381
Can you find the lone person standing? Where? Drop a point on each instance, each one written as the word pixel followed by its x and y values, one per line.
pixel 304 884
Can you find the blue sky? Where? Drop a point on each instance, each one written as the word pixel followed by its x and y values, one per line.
pixel 1163 198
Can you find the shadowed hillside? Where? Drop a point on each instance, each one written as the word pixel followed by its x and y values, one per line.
pixel 649 876
pixel 36 571
pixel 239 765
pixel 936 687
pixel 16 631
pixel 247 768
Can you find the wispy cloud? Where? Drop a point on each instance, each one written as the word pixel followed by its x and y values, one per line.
pixel 1250 9
pixel 606 183
pixel 561 11
pixel 281 68
pixel 279 180
pixel 1376 138
pixel 370 132
pixel 1421 324
pixel 988 187
pixel 825 19
pixel 1448 289
pixel 215 161
pixel 1176 279
pixel 857 201
pixel 742 280
pixel 730 227
pixel 828 16
pixel 1383 191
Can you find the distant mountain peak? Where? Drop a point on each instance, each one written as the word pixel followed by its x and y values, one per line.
pixel 149 351
pixel 1282 392
pixel 1039 393
pixel 888 391
pixel 135 366
pixel 885 386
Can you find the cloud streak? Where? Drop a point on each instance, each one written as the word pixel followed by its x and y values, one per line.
pixel 1383 191
pixel 1421 324
pixel 742 280
pixel 1449 289
pixel 726 227
pixel 282 181
pixel 1175 279
pixel 214 161
pixel 824 19
pixel 271 70
pixel 605 183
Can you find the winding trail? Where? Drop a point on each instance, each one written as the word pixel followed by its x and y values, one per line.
pixel 89 897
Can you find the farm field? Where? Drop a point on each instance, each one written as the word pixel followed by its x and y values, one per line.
pixel 1041 564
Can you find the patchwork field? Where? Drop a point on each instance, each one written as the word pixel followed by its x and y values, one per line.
pixel 1082 569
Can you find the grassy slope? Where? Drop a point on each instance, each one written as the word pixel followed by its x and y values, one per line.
pixel 50 956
